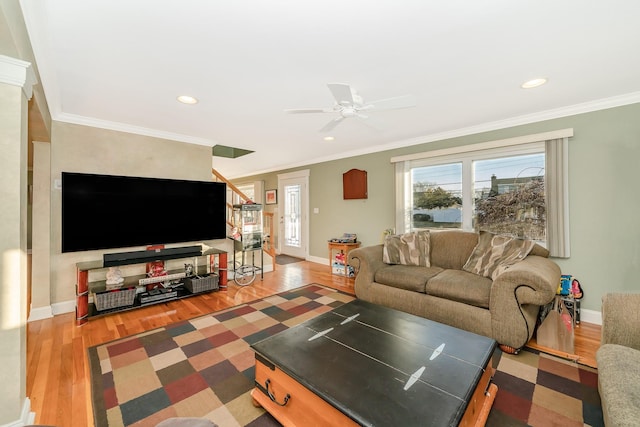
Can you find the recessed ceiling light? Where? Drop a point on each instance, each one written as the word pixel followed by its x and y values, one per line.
pixel 534 83
pixel 328 138
pixel 185 99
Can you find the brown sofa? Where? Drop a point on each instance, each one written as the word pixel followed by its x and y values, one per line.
pixel 505 308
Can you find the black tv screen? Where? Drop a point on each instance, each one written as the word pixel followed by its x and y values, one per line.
pixel 108 211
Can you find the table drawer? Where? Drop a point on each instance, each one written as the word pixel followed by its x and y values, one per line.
pixel 301 408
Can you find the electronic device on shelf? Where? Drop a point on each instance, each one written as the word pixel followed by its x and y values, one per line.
pixel 109 211
pixel 159 294
pixel 346 238
pixel 161 279
pixel 149 255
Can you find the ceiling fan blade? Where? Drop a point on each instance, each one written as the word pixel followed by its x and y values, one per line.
pixel 309 110
pixel 332 124
pixel 342 93
pixel 405 101
pixel 373 123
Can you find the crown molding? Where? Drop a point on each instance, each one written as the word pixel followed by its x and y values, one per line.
pixel 571 110
pixel 488 145
pixel 556 113
pixel 137 130
pixel 17 73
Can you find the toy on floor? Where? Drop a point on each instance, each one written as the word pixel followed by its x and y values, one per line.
pixel 569 285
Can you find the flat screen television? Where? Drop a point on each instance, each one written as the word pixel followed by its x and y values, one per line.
pixel 108 211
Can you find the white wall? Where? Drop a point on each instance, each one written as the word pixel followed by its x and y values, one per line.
pixel 77 148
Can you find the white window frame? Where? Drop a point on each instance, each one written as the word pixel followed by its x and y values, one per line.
pixel 556 177
pixel 257 187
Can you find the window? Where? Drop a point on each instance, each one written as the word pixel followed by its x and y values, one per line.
pixel 437 196
pixel 248 190
pixel 503 192
pixel 516 187
pixel 509 196
pixel 253 190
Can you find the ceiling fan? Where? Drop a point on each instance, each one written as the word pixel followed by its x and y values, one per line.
pixel 349 104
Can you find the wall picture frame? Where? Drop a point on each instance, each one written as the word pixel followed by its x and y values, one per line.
pixel 271 197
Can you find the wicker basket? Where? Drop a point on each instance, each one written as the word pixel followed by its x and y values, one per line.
pixel 116 298
pixel 204 283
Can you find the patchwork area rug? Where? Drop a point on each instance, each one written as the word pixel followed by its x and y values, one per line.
pixel 538 389
pixel 204 367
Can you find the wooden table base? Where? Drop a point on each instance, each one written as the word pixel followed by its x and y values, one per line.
pixel 302 408
pixel 349 366
pixel 292 404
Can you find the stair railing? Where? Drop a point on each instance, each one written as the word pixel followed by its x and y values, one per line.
pixel 238 197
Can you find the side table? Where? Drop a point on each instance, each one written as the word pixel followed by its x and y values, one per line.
pixel 343 248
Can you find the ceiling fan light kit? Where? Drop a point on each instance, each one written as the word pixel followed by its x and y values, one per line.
pixel 349 104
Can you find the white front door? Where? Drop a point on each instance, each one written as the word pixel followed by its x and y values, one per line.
pixel 293 196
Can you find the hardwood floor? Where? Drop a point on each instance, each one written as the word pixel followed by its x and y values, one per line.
pixel 57 368
pixel 586 343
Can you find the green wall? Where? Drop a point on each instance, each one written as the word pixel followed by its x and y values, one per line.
pixel 603 160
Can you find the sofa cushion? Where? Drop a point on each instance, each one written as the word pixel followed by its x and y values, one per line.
pixel 407 277
pixel 495 253
pixel 407 249
pixel 619 384
pixel 461 286
pixel 450 248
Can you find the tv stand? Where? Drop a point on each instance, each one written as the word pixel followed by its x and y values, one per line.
pixel 87 286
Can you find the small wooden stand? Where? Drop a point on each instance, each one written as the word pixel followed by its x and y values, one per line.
pixel 344 248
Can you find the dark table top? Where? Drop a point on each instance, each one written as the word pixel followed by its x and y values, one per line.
pixel 383 367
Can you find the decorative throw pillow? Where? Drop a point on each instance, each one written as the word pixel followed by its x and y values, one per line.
pixel 495 253
pixel 407 249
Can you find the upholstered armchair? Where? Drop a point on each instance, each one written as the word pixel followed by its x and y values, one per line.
pixel 619 360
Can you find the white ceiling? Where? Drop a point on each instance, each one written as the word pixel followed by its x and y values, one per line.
pixel 120 64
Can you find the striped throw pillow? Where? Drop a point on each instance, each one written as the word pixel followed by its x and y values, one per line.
pixel 407 249
pixel 495 253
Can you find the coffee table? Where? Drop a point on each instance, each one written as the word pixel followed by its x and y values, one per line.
pixel 365 364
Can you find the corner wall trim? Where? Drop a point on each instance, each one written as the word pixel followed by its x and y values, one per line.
pixel 17 73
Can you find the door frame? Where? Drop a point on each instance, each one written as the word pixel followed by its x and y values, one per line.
pixel 303 176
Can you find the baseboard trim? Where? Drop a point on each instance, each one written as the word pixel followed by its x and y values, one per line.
pixel 591 316
pixel 63 307
pixel 318 260
pixel 54 309
pixel 40 313
pixel 26 416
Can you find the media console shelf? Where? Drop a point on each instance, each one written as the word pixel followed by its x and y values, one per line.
pixel 91 282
